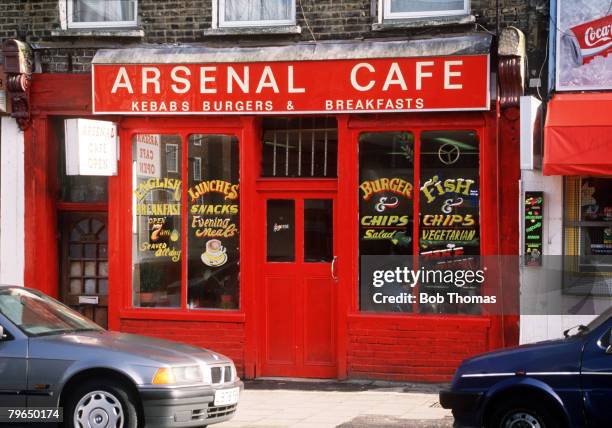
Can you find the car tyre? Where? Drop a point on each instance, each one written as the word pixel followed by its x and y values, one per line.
pixel 517 413
pixel 108 403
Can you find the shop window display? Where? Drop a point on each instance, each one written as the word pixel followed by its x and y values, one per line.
pixel 156 227
pixel 449 212
pixel 588 236
pixel 448 207
pixel 214 222
pixel 211 213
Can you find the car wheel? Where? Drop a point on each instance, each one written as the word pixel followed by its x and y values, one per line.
pixel 100 404
pixel 521 414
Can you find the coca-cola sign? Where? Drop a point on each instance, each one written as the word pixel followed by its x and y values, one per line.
pixel 584 44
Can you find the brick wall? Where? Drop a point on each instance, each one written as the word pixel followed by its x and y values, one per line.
pixel 426 349
pixel 184 21
pixel 225 338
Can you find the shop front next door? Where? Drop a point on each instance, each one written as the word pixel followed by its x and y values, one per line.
pixel 297 287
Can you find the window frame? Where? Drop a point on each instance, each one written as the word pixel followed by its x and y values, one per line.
pixel 98 24
pixel 388 15
pixel 222 23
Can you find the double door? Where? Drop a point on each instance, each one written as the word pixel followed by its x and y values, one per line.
pixel 297 287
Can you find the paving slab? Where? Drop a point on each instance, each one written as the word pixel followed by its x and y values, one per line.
pixel 285 403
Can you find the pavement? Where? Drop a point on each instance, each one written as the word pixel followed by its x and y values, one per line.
pixel 276 403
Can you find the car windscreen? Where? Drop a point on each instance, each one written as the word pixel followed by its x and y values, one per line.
pixel 36 314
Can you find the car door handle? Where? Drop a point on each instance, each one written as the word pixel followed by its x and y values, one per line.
pixel 333 269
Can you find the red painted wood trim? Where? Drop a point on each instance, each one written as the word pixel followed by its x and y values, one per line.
pixel 182 315
pixel 296 185
pixel 40 236
pixel 82 206
pixel 249 287
pixel 61 94
pixel 344 242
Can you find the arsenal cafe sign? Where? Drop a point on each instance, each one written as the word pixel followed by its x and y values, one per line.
pixel 322 86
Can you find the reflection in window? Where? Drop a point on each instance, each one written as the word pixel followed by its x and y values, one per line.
pixel 156 229
pixel 172 158
pixel 449 204
pixel 386 191
pixel 588 236
pixel 213 273
pixel 318 230
pixel 280 230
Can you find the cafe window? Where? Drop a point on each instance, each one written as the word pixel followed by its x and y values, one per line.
pixel 96 13
pixel 211 221
pixel 252 13
pixel 300 147
pixel 402 9
pixel 156 226
pixel 213 272
pixel 447 211
pixel 587 220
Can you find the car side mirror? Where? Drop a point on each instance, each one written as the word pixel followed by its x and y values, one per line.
pixel 609 347
pixel 3 335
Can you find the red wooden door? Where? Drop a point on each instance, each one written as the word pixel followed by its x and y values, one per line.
pixel 297 289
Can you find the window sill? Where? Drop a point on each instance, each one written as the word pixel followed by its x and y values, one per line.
pixel 402 24
pixel 253 31
pixel 99 32
pixel 182 315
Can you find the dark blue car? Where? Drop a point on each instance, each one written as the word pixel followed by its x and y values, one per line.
pixel 557 383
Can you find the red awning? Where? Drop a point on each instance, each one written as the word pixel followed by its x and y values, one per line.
pixel 578 135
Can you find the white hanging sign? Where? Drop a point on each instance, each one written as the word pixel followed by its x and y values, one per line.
pixel 91 147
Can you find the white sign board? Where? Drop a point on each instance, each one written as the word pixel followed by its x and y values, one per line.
pixel 91 147
pixel 148 150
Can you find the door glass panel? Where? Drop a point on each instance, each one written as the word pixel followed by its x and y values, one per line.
pixel 75 286
pixel 280 230
pixel 318 230
pixel 75 269
pixel 90 286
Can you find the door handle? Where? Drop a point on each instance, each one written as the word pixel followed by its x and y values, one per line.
pixel 333 269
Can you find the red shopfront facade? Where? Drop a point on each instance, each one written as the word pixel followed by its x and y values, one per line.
pixel 247 193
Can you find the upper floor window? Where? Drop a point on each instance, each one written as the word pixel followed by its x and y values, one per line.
pixel 251 13
pixel 107 13
pixel 400 9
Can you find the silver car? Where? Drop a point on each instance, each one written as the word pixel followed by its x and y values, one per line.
pixel 53 357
